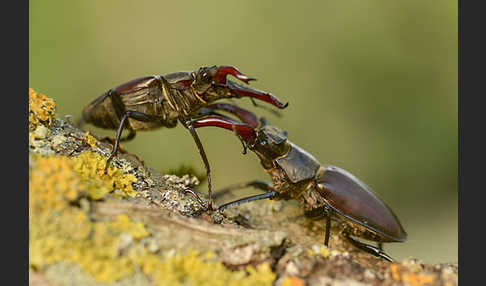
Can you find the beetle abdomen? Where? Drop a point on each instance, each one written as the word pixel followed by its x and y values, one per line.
pixel 100 112
pixel 142 95
pixel 351 198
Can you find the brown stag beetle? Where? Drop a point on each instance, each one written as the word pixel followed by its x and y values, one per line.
pixel 161 101
pixel 322 190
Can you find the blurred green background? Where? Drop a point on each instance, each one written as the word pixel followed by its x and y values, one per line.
pixel 372 87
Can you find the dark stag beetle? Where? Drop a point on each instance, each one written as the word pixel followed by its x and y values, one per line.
pixel 322 190
pixel 161 101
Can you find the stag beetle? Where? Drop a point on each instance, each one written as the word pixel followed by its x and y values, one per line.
pixel 322 190
pixel 161 101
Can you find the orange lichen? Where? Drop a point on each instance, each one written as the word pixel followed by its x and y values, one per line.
pixel 292 281
pixel 41 110
pixel 411 277
pixel 418 279
pixel 394 270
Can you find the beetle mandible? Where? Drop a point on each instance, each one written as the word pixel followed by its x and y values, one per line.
pixel 161 101
pixel 322 190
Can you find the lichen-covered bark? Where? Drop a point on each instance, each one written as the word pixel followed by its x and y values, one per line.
pixel 135 226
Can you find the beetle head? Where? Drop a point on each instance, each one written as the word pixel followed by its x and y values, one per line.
pixel 270 142
pixel 212 80
pixel 204 81
pixel 211 84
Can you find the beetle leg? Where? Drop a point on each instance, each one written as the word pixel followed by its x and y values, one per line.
pixel 196 196
pixel 129 137
pixel 319 213
pixel 268 195
pixel 189 125
pixel 328 226
pixel 112 141
pixel 117 141
pixel 258 184
pixel 244 131
pixel 369 248
pixel 128 114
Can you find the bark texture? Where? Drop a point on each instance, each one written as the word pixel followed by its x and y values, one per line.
pixel 136 226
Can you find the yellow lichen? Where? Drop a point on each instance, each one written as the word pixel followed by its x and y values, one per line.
pixel 91 166
pixel 90 139
pixel 208 255
pixel 41 110
pixel 192 269
pixel 324 252
pixel 321 251
pixel 124 224
pixel 107 250
pixel 59 232
pixel 59 185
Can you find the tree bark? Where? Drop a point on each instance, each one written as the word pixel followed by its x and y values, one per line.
pixel 102 232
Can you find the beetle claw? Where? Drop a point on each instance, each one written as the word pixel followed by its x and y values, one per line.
pixel 239 90
pixel 223 71
pixel 244 131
